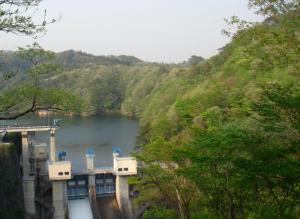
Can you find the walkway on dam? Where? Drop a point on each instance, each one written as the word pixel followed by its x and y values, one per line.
pixel 80 209
pixel 27 128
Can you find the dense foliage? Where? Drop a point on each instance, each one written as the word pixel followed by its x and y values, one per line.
pixel 219 137
pixel 16 16
pixel 227 145
pixel 29 92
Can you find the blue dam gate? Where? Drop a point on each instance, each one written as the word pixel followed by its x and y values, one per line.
pixel 78 187
pixel 105 184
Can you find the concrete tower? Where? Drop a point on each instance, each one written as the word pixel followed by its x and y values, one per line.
pixel 28 180
pixel 89 158
pixel 59 173
pixel 123 167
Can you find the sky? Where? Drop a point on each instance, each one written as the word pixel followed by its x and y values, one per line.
pixel 152 30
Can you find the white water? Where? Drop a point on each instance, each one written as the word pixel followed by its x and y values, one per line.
pixel 80 209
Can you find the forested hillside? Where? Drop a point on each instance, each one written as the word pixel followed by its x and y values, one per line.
pixel 9 61
pixel 219 137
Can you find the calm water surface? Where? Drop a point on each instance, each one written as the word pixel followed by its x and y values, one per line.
pixel 77 134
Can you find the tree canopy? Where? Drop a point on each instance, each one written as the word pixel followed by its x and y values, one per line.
pixel 274 7
pixel 32 93
pixel 16 16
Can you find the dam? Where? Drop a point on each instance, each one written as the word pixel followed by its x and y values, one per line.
pixel 53 188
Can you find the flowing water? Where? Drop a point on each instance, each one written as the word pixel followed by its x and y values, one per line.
pixel 80 209
pixel 77 134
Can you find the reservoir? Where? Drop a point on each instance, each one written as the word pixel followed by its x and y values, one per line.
pixel 76 134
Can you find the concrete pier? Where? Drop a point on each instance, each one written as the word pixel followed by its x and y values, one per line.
pixel 89 158
pixel 52 145
pixel 92 188
pixel 28 181
pixel 59 172
pixel 59 199
pixel 29 196
pixel 122 196
pixel 25 154
pixel 123 167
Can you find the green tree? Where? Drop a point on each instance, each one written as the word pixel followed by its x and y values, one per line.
pixel 32 93
pixel 272 8
pixel 276 164
pixel 16 17
pixel 195 60
pixel 250 167
pixel 160 176
pixel 109 92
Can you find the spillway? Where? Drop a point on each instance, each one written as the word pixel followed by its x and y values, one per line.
pixel 109 208
pixel 80 209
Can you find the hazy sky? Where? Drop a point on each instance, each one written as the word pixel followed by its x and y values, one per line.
pixel 153 30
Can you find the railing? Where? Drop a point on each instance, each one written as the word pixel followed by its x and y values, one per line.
pixel 103 169
pixel 76 172
pixel 29 126
pixel 80 172
pixel 95 170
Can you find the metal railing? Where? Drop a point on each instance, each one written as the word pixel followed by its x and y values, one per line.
pixel 95 170
pixel 4 128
